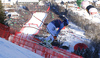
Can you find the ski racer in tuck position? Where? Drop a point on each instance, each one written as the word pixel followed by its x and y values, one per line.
pixel 51 28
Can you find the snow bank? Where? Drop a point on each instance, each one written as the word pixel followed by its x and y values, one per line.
pixel 10 50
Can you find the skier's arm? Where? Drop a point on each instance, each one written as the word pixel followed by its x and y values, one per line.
pixel 61 26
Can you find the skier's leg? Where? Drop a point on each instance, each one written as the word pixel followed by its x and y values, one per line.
pixel 51 29
pixel 49 40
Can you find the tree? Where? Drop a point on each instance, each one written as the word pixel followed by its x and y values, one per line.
pixel 2 14
pixel 79 2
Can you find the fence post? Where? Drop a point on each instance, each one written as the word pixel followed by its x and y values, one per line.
pixel 18 41
pixel 7 36
pixel 3 34
pixel 24 42
pixel 14 38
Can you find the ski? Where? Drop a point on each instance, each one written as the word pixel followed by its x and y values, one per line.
pixel 44 44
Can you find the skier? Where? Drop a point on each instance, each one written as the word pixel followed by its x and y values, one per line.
pixel 51 28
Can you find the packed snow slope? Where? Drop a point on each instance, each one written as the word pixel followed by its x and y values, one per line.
pixel 10 50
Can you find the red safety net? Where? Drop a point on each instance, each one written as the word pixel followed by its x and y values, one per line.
pixel 31 43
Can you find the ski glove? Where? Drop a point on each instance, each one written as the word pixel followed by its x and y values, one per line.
pixel 55 37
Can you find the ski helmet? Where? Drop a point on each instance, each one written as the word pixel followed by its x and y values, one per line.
pixel 66 22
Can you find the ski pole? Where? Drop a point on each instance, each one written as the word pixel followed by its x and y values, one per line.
pixel 64 16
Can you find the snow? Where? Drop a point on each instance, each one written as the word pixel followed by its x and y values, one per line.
pixel 10 50
pixel 76 29
pixel 98 2
pixel 72 35
pixel 93 18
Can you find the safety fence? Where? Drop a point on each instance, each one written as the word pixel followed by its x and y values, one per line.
pixel 31 43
